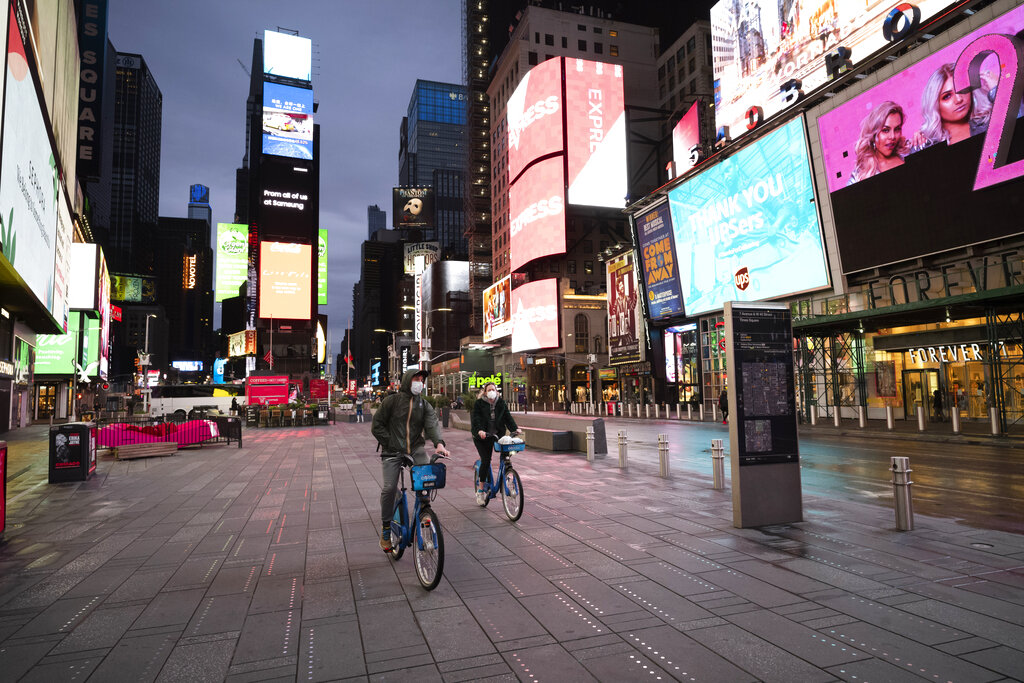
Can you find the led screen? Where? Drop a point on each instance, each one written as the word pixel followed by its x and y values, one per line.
pixel 287 56
pixel 232 259
pixel 285 280
pixel 747 228
pixel 660 263
pixel 104 287
pixel 498 309
pixel 187 365
pixel 914 151
pixel 412 207
pixel 321 267
pixel 28 202
pixel 534 116
pixel 62 264
pixel 286 198
pixel 537 213
pixel 287 121
pixel 670 356
pixel 759 45
pixel 535 316
pixel 133 289
pixel 84 276
pixel 55 353
pixel 625 319
pixel 686 139
pixel 596 133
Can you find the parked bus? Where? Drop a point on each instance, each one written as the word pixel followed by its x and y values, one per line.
pixel 184 400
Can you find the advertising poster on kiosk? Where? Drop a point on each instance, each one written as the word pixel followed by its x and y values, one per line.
pixel 534 116
pixel 917 152
pixel 625 324
pixel 595 131
pixel 747 228
pixel 537 209
pixel 535 316
pixel 760 45
pixel 498 309
pixel 659 262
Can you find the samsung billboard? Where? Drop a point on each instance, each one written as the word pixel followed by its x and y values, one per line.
pixel 747 228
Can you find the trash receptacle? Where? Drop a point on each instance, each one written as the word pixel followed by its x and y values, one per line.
pixel 72 452
pixel 3 487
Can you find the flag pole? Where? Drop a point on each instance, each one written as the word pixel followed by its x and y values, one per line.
pixel 348 354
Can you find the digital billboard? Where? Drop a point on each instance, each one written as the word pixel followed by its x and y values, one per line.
pixel 321 267
pixel 105 312
pixel 419 255
pixel 62 263
pixel 498 309
pixel 287 121
pixel 285 280
pixel 534 116
pixel 686 139
pixel 537 211
pixel 747 228
pixel 232 259
pixel 85 277
pixel 761 45
pixel 535 316
pixel 412 207
pixel 242 343
pixel 55 353
pixel 28 181
pixel 287 56
pixel 133 289
pixel 286 200
pixel 187 365
pixel 595 126
pixel 659 262
pixel 625 319
pixel 932 157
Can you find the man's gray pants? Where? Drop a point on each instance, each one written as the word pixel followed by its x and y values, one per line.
pixel 391 467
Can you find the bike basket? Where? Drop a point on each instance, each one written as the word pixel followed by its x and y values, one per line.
pixel 428 477
pixel 509 447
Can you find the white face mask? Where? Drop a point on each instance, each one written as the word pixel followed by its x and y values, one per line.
pixel 492 395
pixel 416 388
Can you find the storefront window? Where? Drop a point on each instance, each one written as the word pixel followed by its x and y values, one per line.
pixel 712 341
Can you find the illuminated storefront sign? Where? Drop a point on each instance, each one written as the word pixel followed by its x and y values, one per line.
pixel 188 272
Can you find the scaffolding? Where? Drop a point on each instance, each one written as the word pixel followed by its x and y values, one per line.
pixel 831 373
pixel 1006 361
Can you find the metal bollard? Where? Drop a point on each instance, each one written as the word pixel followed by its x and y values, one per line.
pixel 679 411
pixel 701 412
pixel 718 464
pixel 657 411
pixel 668 412
pixel 890 418
pixel 637 410
pixel 862 417
pixel 837 416
pixel 629 410
pixel 920 418
pixel 623 450
pixel 993 417
pixel 901 493
pixel 689 411
pixel 814 416
pixel 590 444
pixel 663 466
pixel 956 419
pixel 714 411
pixel 647 410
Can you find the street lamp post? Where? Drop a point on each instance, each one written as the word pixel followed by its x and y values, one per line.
pixel 145 364
pixel 392 351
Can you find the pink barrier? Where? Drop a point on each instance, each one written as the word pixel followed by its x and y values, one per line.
pixel 184 434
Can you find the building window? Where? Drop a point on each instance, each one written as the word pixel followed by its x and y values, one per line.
pixel 671 63
pixel 581 332
pixel 570 268
pixel 581 45
pixel 588 246
pixel 572 285
pixel 613 50
pixel 613 33
pixel 565 43
pixel 680 53
pixel 536 38
pixel 549 39
pixel 599 48
pixel 693 87
pixel 661 72
pixel 531 58
pixel 691 44
pixel 555 267
pixel 581 27
pixel 693 64
pixel 588 267
pixel 588 286
pixel 597 344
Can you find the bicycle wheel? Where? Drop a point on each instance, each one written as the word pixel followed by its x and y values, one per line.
pixel 428 550
pixel 397 549
pixel 512 494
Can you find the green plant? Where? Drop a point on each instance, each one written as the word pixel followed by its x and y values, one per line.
pixel 8 238
pixel 469 399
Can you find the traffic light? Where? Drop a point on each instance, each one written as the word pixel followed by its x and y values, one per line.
pixel 104 386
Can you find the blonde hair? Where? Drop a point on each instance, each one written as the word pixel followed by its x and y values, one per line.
pixel 867 164
pixel 932 128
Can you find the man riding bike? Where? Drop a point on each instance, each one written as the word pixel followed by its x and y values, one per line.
pixel 399 427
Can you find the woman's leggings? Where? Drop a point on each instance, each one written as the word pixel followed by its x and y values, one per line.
pixel 484 449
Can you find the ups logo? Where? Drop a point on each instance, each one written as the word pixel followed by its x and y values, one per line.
pixel 742 278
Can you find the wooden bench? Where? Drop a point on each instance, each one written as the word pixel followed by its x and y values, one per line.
pixel 548 439
pixel 145 450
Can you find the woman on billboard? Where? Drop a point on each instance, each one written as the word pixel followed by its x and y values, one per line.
pixel 881 144
pixel 950 116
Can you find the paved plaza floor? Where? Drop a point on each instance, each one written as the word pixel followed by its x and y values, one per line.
pixel 261 563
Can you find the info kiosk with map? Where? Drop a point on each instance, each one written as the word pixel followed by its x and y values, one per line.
pixel 764 451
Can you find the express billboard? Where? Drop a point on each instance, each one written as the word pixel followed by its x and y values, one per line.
pixel 28 201
pixel 625 319
pixel 537 211
pixel 535 316
pixel 285 280
pixel 686 139
pixel 929 155
pixel 412 207
pixel 534 116
pixel 287 121
pixel 747 227
pixel 498 309
pixel 287 56
pixel 232 259
pixel 761 45
pixel 321 267
pixel 659 262
pixel 595 126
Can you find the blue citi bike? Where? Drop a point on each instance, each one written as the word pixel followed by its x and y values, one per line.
pixel 508 483
pixel 422 531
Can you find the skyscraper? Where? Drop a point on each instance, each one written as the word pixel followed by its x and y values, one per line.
pixel 375 220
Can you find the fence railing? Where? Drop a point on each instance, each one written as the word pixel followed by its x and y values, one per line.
pixel 136 429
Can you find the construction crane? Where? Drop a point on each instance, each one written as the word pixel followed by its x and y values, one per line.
pixel 242 64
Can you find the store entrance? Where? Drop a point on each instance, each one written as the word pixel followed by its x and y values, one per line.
pixel 918 388
pixel 46 401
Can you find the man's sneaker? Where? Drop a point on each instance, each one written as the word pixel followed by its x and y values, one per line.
pixel 385 544
pixel 481 497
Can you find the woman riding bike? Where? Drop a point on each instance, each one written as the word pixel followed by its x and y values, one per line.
pixel 490 419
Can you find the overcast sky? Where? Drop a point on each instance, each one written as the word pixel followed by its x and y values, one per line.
pixel 367 55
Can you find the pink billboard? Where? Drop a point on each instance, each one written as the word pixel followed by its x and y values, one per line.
pixel 535 316
pixel 686 137
pixel 596 133
pixel 534 116
pixel 537 213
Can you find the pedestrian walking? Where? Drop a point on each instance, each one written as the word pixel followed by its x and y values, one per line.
pixel 937 405
pixel 359 409
pixel 723 405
